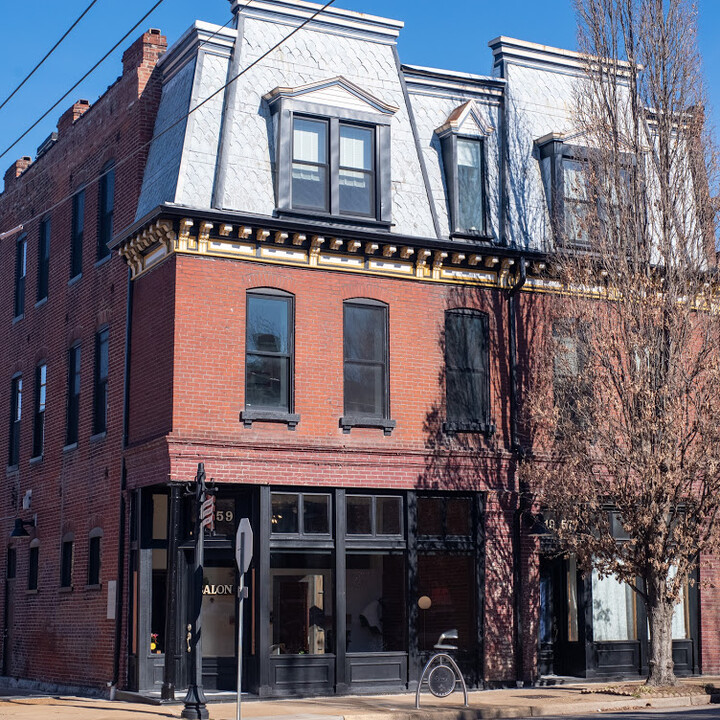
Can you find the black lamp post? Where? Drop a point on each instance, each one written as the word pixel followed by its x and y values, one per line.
pixel 195 701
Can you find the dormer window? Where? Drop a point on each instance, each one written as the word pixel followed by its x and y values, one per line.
pixel 333 152
pixel 462 140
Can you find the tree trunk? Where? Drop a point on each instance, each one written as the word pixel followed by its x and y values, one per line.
pixel 660 662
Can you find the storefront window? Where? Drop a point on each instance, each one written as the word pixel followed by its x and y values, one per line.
pixel 444 516
pixel 316 514
pixel 388 512
pixel 374 514
pixel 285 512
pixel 613 609
pixel 218 612
pixel 157 618
pixel 301 622
pixel 359 514
pixel 448 581
pixel 300 513
pixel 572 604
pixel 375 602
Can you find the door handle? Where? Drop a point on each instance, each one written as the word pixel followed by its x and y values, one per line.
pixel 188 637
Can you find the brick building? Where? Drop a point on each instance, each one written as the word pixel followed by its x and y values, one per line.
pixel 327 262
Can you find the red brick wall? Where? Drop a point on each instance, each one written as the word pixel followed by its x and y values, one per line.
pixel 55 636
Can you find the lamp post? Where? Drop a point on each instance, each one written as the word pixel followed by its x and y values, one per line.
pixel 195 702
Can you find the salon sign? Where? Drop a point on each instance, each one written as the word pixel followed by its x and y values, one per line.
pixel 218 590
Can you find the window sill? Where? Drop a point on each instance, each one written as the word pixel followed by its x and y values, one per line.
pixel 103 260
pixel 31 592
pixel 347 422
pixel 354 220
pixel 469 426
pixel 98 586
pixel 18 318
pixel 70 446
pixel 66 589
pixel 75 279
pixel 41 302
pixel 472 237
pixel 97 437
pixel 249 416
pixel 36 460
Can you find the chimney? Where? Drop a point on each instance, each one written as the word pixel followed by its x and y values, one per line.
pixel 17 169
pixel 72 114
pixel 145 51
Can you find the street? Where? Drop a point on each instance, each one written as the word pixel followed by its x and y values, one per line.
pixel 711 712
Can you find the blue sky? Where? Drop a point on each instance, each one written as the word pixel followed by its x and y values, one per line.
pixel 452 35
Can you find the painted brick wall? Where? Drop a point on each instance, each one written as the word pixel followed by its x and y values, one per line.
pixel 65 636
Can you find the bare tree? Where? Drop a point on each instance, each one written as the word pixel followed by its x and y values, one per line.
pixel 628 454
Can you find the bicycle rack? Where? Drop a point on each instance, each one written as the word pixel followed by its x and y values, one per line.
pixel 442 672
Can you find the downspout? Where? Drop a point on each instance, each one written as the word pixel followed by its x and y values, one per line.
pixel 123 487
pixel 518 451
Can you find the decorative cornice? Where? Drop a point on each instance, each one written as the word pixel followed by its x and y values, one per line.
pixel 151 245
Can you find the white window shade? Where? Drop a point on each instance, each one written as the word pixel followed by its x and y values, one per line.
pixel 355 147
pixel 309 141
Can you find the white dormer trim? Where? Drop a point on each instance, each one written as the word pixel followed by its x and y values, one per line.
pixel 457 119
pixel 325 92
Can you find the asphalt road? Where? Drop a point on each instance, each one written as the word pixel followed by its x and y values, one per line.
pixel 711 712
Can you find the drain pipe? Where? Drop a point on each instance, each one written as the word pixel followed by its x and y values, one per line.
pixel 123 487
pixel 518 452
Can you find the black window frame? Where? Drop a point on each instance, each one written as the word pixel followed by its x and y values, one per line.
pixel 482 421
pixel 20 276
pixel 450 154
pixel 100 381
pixel 394 539
pixel 106 196
pixel 94 557
pixel 40 402
pixel 301 534
pixel 266 413
pixel 33 565
pixel 77 233
pixel 16 390
pixel 383 419
pixel 67 561
pixel 324 166
pixel 72 413
pixel 43 267
pixel 444 538
pixel 286 109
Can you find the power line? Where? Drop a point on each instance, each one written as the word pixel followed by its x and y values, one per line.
pixel 48 54
pixel 90 71
pixel 122 161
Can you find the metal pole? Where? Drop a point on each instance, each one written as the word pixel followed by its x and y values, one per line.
pixel 241 596
pixel 195 708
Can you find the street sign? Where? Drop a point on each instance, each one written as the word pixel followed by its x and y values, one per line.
pixel 243 545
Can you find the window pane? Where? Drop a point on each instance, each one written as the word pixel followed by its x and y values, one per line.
pixel 376 603
pixel 458 516
pixel 470 186
pixel 316 516
pixel 575 179
pixel 364 389
pixel 94 561
pixel 301 620
pixel 309 141
pixel 449 582
pixel 466 395
pixel 285 513
pixel 466 358
pixel 355 147
pixel 267 382
pixel 613 609
pixel 356 192
pixel 430 516
pixel 387 515
pixel 359 515
pixel 218 612
pixel 364 332
pixel 33 568
pixel 66 565
pixel 42 381
pixel 309 186
pixel 267 324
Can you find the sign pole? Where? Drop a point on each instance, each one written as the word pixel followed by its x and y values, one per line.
pixel 243 558
pixel 241 616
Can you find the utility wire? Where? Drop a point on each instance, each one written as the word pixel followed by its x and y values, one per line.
pixel 91 70
pixel 122 161
pixel 49 53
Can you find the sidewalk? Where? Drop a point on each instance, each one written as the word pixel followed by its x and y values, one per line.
pixel 517 703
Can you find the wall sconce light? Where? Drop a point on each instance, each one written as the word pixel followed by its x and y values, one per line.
pixel 20 525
